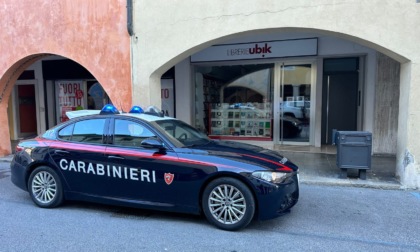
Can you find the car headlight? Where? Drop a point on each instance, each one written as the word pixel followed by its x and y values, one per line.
pixel 271 176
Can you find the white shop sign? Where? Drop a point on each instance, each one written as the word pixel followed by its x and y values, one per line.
pixel 258 50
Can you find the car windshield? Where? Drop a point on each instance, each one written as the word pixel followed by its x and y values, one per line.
pixel 183 133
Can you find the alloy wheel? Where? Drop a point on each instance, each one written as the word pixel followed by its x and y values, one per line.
pixel 44 187
pixel 227 204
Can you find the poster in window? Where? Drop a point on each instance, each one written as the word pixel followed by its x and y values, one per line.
pixel 167 96
pixel 70 96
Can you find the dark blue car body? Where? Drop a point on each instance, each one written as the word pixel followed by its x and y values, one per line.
pixel 168 176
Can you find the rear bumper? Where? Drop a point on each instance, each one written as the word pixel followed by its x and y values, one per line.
pixel 18 175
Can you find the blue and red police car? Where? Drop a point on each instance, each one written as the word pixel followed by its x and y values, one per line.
pixel 147 160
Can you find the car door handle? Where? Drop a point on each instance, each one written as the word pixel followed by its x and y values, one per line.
pixel 116 157
pixel 61 152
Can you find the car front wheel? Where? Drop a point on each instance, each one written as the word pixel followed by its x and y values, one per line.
pixel 228 204
pixel 45 187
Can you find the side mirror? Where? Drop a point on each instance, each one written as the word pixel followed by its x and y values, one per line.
pixel 153 143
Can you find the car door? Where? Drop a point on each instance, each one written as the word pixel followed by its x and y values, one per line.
pixel 79 155
pixel 149 175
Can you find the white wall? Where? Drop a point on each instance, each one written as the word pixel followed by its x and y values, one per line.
pixel 184 91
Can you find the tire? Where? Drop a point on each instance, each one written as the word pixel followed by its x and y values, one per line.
pixel 219 208
pixel 45 187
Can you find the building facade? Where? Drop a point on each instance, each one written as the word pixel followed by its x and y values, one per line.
pixel 275 73
pixel 287 72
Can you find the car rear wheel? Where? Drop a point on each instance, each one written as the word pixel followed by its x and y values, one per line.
pixel 45 187
pixel 228 204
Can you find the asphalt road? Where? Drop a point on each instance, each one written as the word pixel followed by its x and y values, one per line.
pixel 325 219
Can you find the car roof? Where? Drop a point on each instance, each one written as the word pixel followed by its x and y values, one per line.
pixel 143 116
pixel 147 117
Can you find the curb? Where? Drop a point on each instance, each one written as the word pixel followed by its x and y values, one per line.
pixel 6 159
pixel 357 183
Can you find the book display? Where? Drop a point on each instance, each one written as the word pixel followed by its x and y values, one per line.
pixel 250 120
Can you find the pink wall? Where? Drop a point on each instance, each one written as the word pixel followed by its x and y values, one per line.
pixel 90 32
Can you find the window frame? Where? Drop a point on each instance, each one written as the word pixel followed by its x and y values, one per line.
pixel 112 132
pixel 73 124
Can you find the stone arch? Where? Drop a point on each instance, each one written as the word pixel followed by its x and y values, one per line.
pixel 180 55
pixel 13 72
pixel 402 52
pixel 158 70
pixel 91 33
pixel 7 82
pixel 11 75
pixel 154 78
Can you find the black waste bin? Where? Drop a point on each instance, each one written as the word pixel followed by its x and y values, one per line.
pixel 354 151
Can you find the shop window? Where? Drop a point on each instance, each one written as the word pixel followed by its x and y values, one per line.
pixel 234 101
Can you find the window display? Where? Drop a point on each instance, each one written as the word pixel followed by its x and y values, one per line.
pixel 237 102
pixel 250 119
pixel 234 100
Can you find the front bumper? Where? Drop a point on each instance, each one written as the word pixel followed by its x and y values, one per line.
pixel 275 199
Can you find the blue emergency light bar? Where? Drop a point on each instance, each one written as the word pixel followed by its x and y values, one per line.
pixel 136 110
pixel 153 110
pixel 109 109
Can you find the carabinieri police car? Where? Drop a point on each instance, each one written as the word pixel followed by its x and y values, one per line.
pixel 147 160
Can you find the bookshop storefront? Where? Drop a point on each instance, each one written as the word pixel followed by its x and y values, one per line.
pixel 246 92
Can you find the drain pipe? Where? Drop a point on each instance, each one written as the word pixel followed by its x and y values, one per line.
pixel 130 17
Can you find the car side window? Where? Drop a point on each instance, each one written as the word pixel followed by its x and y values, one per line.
pixel 177 132
pixel 182 134
pixel 129 133
pixel 66 132
pixel 88 131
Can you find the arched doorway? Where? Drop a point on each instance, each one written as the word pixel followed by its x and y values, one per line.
pixel 45 91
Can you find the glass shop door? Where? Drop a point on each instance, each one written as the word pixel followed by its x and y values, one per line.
pixel 292 100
